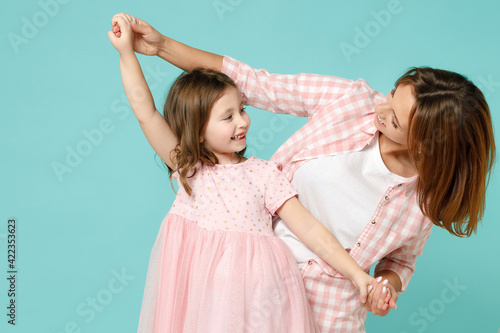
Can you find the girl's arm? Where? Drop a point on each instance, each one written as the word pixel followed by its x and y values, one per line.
pixel 160 136
pixel 315 236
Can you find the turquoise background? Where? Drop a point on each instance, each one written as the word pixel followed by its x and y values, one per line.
pixel 97 219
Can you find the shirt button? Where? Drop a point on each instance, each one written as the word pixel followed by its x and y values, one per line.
pixel 310 262
pixel 373 222
pixel 386 197
pixel 358 244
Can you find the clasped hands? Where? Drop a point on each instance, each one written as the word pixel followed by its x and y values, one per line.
pixel 130 33
pixel 381 298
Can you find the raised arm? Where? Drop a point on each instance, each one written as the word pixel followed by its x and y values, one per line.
pixel 154 126
pixel 149 41
pixel 187 57
pixel 300 95
pixel 315 236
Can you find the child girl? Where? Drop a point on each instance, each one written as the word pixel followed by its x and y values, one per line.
pixel 216 265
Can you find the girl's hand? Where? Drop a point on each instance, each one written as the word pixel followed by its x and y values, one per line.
pixel 382 297
pixel 363 281
pixel 121 35
pixel 147 40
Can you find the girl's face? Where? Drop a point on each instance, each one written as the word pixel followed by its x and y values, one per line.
pixel 391 118
pixel 227 126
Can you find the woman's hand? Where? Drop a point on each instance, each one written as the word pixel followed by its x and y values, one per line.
pixel 121 35
pixel 147 40
pixel 382 297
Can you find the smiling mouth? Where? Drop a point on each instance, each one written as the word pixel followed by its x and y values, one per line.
pixel 380 120
pixel 238 137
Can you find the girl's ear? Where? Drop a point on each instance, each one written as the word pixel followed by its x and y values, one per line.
pixel 202 134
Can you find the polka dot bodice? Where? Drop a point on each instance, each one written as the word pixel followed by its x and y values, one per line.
pixel 234 197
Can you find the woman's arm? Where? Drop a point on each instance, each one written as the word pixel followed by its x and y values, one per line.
pixel 149 41
pixel 397 268
pixel 154 126
pixel 299 95
pixel 315 236
pixel 400 263
pixel 187 57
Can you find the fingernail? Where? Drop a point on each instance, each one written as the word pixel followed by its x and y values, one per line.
pixel 379 279
pixel 385 282
pixel 384 290
pixel 370 288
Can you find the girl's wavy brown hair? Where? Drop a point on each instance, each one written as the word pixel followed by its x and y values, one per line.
pixel 186 111
pixel 451 140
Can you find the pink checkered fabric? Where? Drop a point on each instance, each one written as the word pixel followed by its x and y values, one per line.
pixel 341 120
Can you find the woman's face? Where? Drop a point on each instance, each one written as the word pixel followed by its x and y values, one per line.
pixel 391 118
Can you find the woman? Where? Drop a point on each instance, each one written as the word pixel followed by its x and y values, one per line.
pixel 377 171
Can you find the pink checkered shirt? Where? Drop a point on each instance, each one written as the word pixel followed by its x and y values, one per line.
pixel 341 120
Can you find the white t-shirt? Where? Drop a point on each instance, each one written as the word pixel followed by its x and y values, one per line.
pixel 342 192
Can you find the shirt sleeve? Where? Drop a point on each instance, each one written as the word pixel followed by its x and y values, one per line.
pixel 277 190
pixel 402 260
pixel 299 95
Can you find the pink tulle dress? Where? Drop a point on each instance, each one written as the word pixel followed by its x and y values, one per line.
pixel 216 265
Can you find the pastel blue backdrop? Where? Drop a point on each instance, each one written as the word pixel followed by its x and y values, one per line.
pixel 89 196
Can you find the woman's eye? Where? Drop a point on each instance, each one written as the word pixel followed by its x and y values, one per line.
pixel 393 123
pixel 242 110
pixel 228 117
pixel 393 91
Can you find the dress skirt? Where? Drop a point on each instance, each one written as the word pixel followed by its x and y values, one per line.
pixel 203 280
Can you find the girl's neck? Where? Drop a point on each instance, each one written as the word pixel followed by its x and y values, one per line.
pixel 233 158
pixel 396 157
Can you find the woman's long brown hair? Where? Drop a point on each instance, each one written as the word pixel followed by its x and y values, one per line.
pixel 451 140
pixel 186 111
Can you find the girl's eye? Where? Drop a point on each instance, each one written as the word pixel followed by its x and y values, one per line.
pixel 393 123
